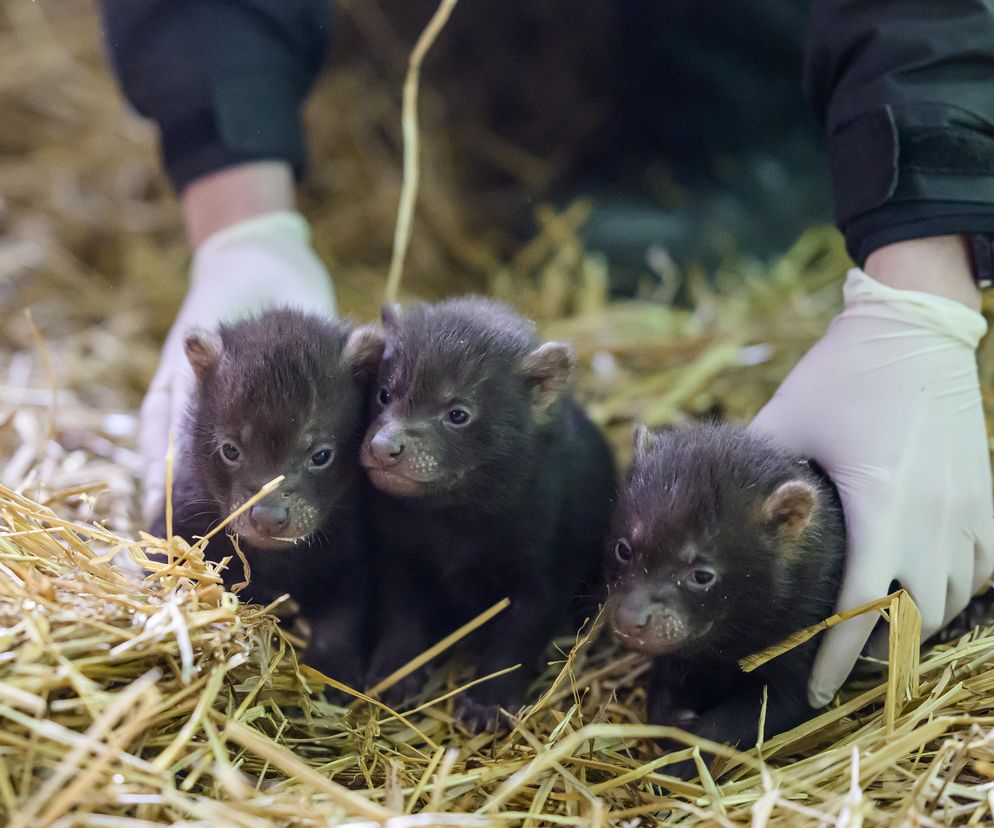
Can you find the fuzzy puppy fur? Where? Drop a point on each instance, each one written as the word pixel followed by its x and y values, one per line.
pixel 723 545
pixel 491 482
pixel 284 394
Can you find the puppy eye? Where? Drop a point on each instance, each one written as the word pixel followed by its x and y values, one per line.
pixel 230 453
pixel 384 396
pixel 458 416
pixel 623 551
pixel 700 578
pixel 321 458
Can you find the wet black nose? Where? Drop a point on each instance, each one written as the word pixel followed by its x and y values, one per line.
pixel 386 447
pixel 270 519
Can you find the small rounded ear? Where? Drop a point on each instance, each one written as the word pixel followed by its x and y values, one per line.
pixel 643 439
pixel 390 315
pixel 203 349
pixel 363 350
pixel 548 370
pixel 790 508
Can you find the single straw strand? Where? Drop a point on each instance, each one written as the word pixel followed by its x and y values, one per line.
pixel 412 163
pixel 293 767
pixel 440 647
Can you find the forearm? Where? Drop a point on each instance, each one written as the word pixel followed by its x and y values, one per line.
pixel 939 265
pixel 904 95
pixel 231 195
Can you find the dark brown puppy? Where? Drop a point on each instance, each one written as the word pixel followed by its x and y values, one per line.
pixel 724 545
pixel 284 394
pixel 491 483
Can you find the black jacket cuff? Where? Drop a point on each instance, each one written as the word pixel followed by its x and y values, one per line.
pixel 904 173
pixel 255 117
pixel 224 80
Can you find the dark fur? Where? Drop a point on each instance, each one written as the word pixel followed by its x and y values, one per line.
pixel 518 504
pixel 707 486
pixel 283 382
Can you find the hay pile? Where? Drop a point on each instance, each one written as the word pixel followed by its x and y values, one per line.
pixel 136 702
pixel 129 700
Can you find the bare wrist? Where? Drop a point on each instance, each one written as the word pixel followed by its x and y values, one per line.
pixel 939 265
pixel 228 196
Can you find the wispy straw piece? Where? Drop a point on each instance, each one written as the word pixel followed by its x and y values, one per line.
pixel 903 658
pixel 439 648
pixel 412 160
pixel 270 487
pixel 170 468
pixel 750 663
pixel 292 766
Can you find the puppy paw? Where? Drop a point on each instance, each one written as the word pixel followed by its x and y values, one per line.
pixel 400 693
pixel 478 717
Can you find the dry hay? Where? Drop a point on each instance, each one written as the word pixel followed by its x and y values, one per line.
pixel 130 701
pixel 133 701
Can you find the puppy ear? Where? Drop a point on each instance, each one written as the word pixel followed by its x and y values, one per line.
pixel 643 439
pixel 789 510
pixel 203 349
pixel 391 315
pixel 363 350
pixel 548 370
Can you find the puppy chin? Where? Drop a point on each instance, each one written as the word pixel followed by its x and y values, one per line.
pixel 397 483
pixel 658 640
pixel 249 538
pixel 643 641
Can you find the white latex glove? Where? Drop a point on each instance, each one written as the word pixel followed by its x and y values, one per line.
pixel 888 402
pixel 257 263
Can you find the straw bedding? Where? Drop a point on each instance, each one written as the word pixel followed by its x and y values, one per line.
pixel 134 699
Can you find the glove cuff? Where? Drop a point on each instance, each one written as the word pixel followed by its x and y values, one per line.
pixel 280 224
pixel 865 296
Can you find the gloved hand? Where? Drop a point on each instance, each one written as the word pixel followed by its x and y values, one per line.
pixel 888 402
pixel 260 262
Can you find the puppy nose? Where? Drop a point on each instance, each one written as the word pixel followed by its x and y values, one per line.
pixel 269 519
pixel 386 447
pixel 633 614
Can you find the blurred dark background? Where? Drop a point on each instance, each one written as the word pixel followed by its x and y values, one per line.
pixel 684 122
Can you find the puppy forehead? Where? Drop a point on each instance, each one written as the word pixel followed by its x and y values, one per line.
pixel 665 540
pixel 678 555
pixel 443 383
pixel 249 429
pixel 448 347
pixel 292 432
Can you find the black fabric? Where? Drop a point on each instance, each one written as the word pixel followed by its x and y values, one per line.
pixel 223 79
pixel 982 255
pixel 905 90
pixel 696 79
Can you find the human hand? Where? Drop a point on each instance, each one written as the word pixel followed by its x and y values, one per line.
pixel 888 403
pixel 253 264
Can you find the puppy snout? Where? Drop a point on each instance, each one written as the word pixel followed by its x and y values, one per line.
pixel 386 447
pixel 270 519
pixel 643 620
pixel 633 615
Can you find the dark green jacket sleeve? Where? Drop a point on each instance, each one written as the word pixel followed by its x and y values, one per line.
pixel 223 79
pixel 905 89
